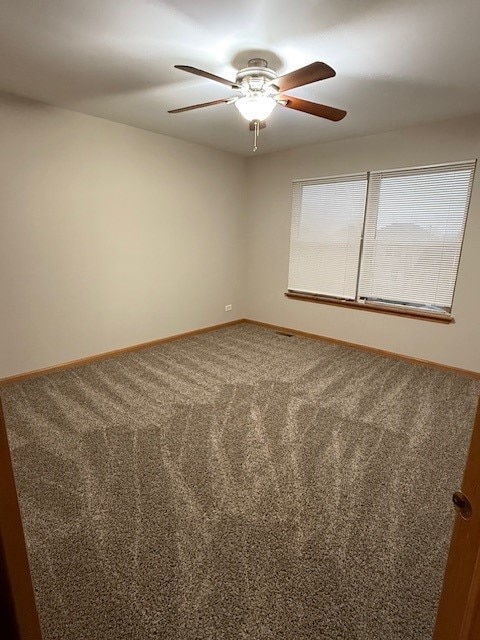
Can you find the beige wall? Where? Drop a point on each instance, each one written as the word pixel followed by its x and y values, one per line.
pixel 109 236
pixel 268 233
pixel 112 236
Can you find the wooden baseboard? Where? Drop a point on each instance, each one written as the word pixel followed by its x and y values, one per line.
pixel 314 336
pixel 362 347
pixel 109 354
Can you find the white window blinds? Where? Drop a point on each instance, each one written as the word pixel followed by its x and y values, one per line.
pixel 414 227
pixel 327 223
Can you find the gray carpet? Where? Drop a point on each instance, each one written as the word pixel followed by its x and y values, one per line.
pixel 239 485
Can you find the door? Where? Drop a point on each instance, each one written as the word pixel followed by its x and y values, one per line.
pixel 18 614
pixel 459 611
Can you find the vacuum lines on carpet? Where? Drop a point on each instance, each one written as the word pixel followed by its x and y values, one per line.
pixel 239 485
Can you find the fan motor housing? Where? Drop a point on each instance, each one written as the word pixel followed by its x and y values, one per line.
pixel 254 77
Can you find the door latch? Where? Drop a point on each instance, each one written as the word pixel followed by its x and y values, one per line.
pixel 462 505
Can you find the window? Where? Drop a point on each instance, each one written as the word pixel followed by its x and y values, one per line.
pixel 387 238
pixel 327 223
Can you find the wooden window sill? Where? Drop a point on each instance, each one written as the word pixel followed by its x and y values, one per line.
pixel 370 306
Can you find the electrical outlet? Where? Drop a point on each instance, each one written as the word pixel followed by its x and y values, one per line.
pixel 228 307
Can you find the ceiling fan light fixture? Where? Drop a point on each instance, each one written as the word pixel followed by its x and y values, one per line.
pixel 255 107
pixel 262 89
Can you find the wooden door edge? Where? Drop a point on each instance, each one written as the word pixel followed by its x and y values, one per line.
pixel 471 622
pixel 18 599
pixel 458 614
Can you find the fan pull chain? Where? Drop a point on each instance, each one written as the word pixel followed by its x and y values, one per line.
pixel 256 133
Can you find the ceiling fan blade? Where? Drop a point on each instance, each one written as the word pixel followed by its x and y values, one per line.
pixel 320 110
pixel 201 105
pixel 311 73
pixel 262 125
pixel 206 74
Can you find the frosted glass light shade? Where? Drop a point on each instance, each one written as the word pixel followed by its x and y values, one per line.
pixel 255 107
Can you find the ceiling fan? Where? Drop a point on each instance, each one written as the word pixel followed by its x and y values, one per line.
pixel 261 90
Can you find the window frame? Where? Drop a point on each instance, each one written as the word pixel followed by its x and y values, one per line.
pixel 379 306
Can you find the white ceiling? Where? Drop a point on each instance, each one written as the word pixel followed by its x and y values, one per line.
pixel 398 62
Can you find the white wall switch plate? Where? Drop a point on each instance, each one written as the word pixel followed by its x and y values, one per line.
pixel 228 307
